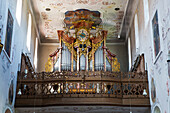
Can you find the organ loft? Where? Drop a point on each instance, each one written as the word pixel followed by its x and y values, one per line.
pixel 82 70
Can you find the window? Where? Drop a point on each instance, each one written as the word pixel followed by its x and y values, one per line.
pixel 35 53
pixel 146 11
pixel 136 33
pixel 8 37
pixel 129 52
pixel 29 32
pixel 156 37
pixel 19 11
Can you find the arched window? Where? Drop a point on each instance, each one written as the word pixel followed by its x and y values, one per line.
pixel 19 11
pixel 129 52
pixel 35 53
pixel 146 12
pixel 136 33
pixel 29 32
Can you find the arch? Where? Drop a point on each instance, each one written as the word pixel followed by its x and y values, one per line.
pixel 157 109
pixel 8 110
pixel 29 32
pixel 130 53
pixel 146 12
pixel 136 32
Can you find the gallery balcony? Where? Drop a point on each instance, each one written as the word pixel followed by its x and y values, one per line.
pixel 82 88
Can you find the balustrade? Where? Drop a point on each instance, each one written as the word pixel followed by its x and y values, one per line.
pixel 83 87
pixel 99 82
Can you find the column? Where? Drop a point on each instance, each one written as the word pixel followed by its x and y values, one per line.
pixel 104 51
pixel 72 58
pixel 60 55
pixel 78 59
pixel 92 57
pixel 87 63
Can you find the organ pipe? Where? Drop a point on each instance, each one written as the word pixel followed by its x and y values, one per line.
pixel 86 55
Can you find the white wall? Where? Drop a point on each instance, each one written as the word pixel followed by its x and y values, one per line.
pixel 9 66
pixel 157 67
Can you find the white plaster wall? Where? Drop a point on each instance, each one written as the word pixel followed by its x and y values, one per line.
pixel 9 66
pixel 157 67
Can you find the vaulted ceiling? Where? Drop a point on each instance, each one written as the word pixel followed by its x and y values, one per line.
pixel 50 14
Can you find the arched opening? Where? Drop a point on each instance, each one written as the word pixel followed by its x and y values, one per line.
pixel 8 110
pixel 157 110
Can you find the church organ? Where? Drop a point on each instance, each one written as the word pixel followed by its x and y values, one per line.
pixel 83 45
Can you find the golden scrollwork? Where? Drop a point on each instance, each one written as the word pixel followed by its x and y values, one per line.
pixel 96 46
pixel 83 51
pixel 49 65
pixel 115 65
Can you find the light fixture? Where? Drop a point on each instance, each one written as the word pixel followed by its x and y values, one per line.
pixel 19 92
pixel 47 9
pixel 117 9
pixel 130 111
pixel 20 87
pixel 1 46
pixel 144 92
pixel 118 36
pixel 26 71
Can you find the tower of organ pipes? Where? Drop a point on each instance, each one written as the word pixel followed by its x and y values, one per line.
pixel 82 45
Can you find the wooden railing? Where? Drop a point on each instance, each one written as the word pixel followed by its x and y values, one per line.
pixel 68 88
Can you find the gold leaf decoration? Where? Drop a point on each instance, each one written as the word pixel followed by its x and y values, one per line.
pixel 49 65
pixel 115 65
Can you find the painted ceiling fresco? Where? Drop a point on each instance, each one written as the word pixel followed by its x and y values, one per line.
pixel 52 14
